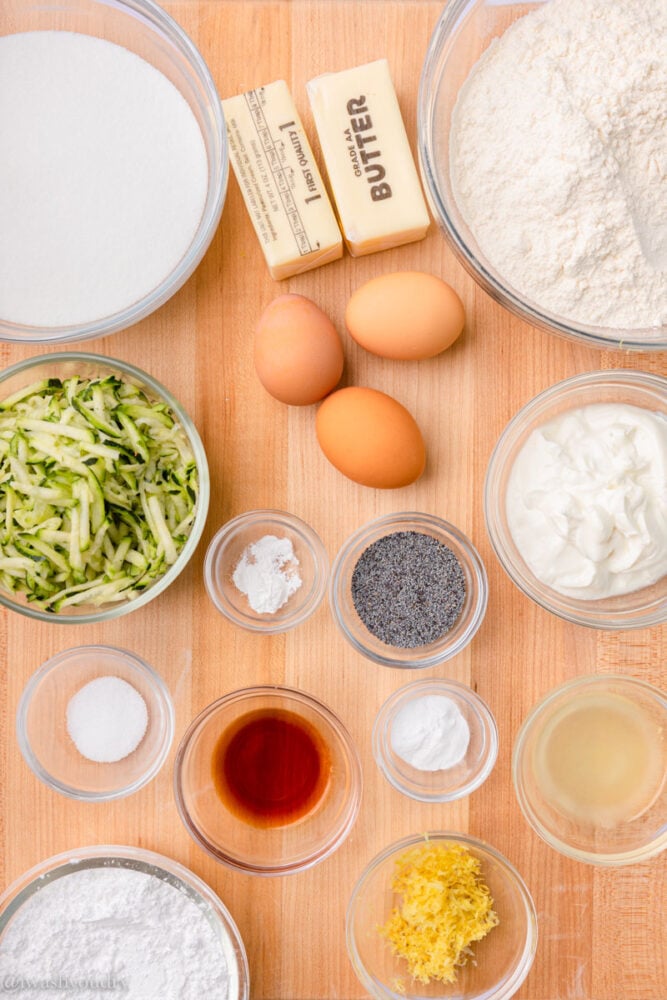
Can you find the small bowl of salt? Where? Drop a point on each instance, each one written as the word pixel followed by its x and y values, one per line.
pixel 266 570
pixel 435 740
pixel 95 723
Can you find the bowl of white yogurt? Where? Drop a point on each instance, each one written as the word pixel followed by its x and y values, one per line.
pixel 575 499
pixel 114 170
pixel 541 139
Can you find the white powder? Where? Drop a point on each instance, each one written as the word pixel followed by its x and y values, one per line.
pixel 430 733
pixel 558 155
pixel 103 178
pixel 107 719
pixel 142 936
pixel 267 573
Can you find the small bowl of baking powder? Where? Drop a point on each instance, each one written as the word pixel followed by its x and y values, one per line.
pixel 266 570
pixel 435 740
pixel 95 723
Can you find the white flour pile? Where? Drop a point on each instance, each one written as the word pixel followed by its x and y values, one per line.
pixel 268 574
pixel 103 178
pixel 558 154
pixel 104 932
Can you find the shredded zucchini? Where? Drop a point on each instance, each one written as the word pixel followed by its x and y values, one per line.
pixel 98 491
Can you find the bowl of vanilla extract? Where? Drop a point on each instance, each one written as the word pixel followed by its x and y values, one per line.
pixel 268 780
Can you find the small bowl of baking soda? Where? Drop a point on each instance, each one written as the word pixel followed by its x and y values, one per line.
pixel 266 570
pixel 95 723
pixel 435 740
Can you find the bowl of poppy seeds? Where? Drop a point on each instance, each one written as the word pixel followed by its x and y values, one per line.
pixel 408 590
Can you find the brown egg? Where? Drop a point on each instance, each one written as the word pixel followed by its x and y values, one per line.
pixel 406 316
pixel 298 353
pixel 370 438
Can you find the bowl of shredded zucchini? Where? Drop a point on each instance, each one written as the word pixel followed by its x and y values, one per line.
pixel 104 487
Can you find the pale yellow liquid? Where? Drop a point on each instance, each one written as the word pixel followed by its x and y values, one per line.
pixel 601 759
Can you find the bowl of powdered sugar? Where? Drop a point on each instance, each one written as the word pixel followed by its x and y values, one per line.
pixel 122 921
pixel 114 166
pixel 543 149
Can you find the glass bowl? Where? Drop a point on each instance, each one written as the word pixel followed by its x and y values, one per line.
pixel 44 740
pixel 502 960
pixel 66 365
pixel 620 744
pixel 450 642
pixel 281 844
pixel 147 863
pixel 464 31
pixel 225 552
pixel 444 784
pixel 145 29
pixel 638 609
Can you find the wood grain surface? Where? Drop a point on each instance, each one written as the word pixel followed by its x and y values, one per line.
pixel 602 933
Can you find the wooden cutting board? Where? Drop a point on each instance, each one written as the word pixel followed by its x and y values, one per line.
pixel 602 934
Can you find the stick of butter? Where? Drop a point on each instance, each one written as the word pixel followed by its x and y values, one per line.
pixel 368 158
pixel 281 185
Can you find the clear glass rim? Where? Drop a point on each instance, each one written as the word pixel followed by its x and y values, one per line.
pixel 606 338
pixel 363 536
pixel 189 428
pixel 379 738
pixel 160 21
pixel 280 622
pixel 604 860
pixel 350 752
pixel 575 611
pixel 519 974
pixel 160 690
pixel 139 859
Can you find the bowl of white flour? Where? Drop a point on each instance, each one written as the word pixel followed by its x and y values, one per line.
pixel 114 167
pixel 107 921
pixel 544 154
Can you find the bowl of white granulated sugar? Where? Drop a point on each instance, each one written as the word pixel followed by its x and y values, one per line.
pixel 541 134
pixel 118 921
pixel 95 723
pixel 114 167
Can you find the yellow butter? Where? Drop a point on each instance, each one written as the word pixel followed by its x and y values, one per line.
pixel 281 185
pixel 371 171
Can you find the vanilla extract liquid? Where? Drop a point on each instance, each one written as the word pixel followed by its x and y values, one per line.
pixel 270 767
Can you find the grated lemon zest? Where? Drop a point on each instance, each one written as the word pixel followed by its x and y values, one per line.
pixel 445 907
